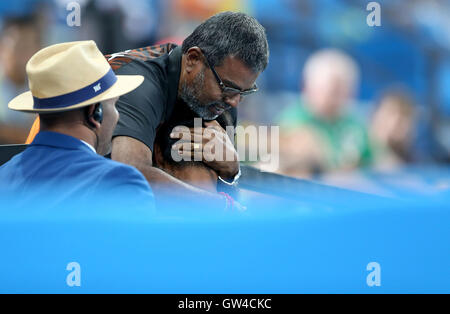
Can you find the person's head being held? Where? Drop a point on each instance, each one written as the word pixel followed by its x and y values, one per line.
pixel 330 81
pixel 221 60
pixel 74 91
pixel 20 38
pixel 193 172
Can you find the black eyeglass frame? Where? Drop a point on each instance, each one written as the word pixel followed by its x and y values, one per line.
pixel 226 90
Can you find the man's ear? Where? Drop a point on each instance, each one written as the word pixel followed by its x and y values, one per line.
pixel 92 123
pixel 194 59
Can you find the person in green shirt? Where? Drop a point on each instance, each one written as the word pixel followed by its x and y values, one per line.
pixel 319 132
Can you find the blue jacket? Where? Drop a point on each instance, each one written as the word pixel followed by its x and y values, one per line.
pixel 57 169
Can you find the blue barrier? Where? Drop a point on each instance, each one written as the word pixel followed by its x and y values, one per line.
pixel 288 248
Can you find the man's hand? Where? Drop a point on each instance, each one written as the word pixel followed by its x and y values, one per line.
pixel 210 145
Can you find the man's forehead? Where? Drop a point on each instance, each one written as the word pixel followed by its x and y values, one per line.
pixel 235 73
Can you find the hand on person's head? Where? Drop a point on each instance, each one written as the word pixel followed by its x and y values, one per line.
pixel 212 145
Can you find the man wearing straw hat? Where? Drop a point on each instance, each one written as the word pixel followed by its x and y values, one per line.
pixel 74 91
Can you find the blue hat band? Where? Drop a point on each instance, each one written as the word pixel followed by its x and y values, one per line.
pixel 78 96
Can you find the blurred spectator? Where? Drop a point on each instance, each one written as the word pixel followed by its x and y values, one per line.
pixel 319 133
pixel 20 38
pixel 392 129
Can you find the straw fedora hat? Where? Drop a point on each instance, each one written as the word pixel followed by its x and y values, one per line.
pixel 68 76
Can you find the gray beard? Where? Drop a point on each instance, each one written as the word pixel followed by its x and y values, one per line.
pixel 189 94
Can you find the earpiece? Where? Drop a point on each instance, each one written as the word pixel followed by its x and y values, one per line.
pixel 97 115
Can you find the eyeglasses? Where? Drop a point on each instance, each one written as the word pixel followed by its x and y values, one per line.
pixel 227 91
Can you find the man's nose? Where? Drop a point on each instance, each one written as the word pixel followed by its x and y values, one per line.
pixel 234 100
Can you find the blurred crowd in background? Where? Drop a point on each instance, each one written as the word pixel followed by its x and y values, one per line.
pixel 345 95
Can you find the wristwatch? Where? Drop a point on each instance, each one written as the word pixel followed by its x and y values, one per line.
pixel 235 180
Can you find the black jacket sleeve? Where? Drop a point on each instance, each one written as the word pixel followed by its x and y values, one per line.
pixel 142 110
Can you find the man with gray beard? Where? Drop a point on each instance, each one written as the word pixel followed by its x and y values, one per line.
pixel 209 74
